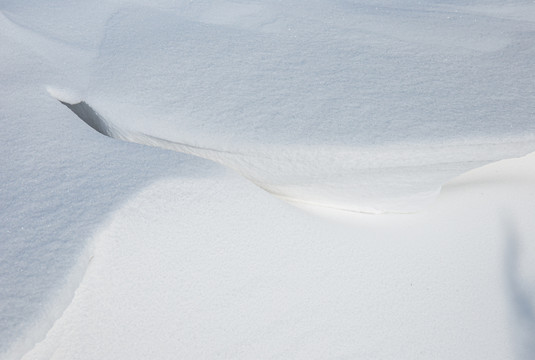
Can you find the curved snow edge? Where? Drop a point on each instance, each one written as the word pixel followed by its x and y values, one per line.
pixel 386 179
pixel 58 302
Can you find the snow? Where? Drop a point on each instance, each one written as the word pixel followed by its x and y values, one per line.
pixel 320 114
pixel 260 279
pixel 113 249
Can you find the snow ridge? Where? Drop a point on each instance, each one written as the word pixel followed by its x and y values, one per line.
pixel 399 179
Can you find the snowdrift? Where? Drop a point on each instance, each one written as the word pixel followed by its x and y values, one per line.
pixel 313 104
pixel 330 105
pixel 375 179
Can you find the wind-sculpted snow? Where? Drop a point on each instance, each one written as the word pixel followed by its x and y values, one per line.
pixel 330 108
pixel 361 105
pixel 369 179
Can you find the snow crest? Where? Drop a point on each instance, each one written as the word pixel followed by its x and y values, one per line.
pixel 364 179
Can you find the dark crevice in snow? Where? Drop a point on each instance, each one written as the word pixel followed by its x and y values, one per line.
pixel 89 116
pixel 92 118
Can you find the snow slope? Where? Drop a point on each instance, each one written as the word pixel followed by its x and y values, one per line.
pixel 214 268
pixel 347 104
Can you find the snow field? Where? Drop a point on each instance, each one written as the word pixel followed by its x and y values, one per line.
pixel 116 250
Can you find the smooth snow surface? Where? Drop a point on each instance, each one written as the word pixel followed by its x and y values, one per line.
pixel 246 276
pixel 120 251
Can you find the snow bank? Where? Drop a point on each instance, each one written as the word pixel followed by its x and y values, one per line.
pixel 329 108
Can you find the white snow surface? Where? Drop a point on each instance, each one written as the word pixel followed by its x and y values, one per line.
pixel 346 104
pixel 246 276
pixel 115 250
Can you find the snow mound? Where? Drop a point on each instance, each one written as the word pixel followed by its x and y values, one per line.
pixel 318 104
